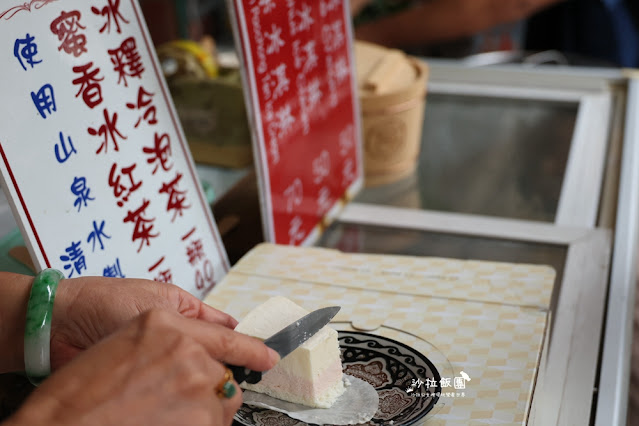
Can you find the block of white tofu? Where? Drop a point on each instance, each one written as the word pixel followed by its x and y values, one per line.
pixel 310 375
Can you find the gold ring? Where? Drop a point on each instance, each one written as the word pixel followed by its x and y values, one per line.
pixel 226 388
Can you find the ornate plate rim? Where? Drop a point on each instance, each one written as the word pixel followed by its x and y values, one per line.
pixel 422 357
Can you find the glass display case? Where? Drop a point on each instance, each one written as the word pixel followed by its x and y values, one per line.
pixel 535 166
pixel 478 144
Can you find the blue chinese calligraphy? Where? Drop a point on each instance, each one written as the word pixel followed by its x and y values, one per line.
pixel 26 49
pixel 81 191
pixel 44 100
pixel 114 271
pixel 74 259
pixel 97 234
pixel 64 151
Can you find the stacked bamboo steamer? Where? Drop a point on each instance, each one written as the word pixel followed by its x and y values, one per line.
pixel 392 92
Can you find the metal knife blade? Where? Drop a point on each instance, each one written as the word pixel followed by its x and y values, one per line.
pixel 288 339
pixel 292 336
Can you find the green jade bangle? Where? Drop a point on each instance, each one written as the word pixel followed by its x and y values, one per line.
pixel 37 330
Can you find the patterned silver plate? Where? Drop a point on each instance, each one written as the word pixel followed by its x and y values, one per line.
pixel 389 366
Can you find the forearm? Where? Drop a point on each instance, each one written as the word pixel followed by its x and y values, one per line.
pixel 442 20
pixel 14 296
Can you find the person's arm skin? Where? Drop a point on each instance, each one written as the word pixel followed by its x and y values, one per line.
pixel 160 369
pixel 86 310
pixel 443 20
pixel 14 295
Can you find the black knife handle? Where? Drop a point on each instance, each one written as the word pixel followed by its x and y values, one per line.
pixel 243 374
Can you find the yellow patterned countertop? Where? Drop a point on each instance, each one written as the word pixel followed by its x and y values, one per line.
pixel 487 319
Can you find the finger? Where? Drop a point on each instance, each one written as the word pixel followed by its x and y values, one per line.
pixel 191 307
pixel 228 393
pixel 222 344
pixel 223 395
pixel 232 405
pixel 210 314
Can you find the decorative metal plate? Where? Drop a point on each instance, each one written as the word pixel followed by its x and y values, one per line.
pixel 389 366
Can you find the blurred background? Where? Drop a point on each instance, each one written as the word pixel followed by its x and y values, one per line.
pixel 581 32
pixel 195 45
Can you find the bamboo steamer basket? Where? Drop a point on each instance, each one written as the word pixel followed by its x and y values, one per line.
pixel 392 92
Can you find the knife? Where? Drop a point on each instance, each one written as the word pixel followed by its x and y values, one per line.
pixel 288 339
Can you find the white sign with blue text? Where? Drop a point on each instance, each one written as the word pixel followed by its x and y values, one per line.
pixel 94 161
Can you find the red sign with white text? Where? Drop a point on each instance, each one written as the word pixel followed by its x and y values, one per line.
pixel 298 66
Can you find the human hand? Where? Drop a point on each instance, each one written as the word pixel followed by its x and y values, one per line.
pixel 87 309
pixel 160 369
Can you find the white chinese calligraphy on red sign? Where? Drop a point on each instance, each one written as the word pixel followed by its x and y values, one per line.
pixel 302 95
